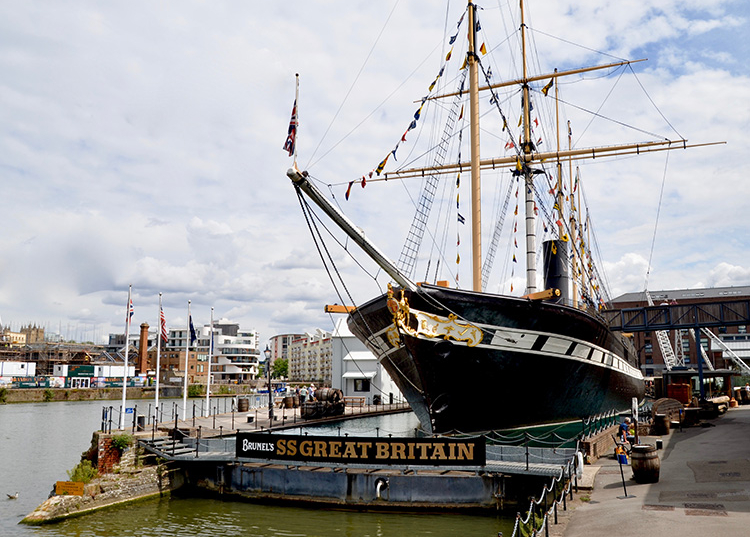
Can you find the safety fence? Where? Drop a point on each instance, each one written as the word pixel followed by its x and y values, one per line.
pixel 544 508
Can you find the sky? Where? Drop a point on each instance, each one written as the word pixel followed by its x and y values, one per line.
pixel 141 144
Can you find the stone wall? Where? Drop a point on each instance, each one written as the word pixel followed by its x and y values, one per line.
pixel 37 395
pixel 600 445
pixel 122 479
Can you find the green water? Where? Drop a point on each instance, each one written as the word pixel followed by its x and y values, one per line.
pixel 176 517
pixel 40 441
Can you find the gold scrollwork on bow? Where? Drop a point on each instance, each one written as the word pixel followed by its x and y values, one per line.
pixel 427 325
pixel 448 328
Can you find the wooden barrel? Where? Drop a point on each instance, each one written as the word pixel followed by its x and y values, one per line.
pixel 295 399
pixel 644 460
pixel 289 402
pixel 331 395
pixel 661 424
pixel 243 404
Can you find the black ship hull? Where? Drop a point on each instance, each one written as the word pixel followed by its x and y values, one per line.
pixel 473 362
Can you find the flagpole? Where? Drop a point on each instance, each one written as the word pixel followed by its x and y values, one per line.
pixel 208 375
pixel 128 314
pixel 187 351
pixel 296 103
pixel 158 361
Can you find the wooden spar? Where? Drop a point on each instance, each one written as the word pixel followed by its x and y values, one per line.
pixel 338 308
pixel 543 295
pixel 537 78
pixel 574 154
pixel 476 178
pixel 301 181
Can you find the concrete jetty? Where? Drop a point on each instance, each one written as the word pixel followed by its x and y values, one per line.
pixel 703 487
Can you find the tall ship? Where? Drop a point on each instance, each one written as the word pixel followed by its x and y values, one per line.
pixel 470 361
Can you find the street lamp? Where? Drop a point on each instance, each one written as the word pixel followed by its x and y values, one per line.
pixel 267 353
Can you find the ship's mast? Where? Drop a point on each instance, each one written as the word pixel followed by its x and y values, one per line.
pixel 527 174
pixel 574 216
pixel 476 186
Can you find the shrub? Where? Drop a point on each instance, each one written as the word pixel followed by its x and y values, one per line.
pixel 83 472
pixel 3 395
pixel 48 395
pixel 194 390
pixel 121 441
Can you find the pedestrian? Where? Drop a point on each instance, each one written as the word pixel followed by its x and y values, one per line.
pixel 302 394
pixel 624 433
pixel 311 392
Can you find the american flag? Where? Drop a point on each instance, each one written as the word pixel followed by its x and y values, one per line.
pixel 163 324
pixel 291 137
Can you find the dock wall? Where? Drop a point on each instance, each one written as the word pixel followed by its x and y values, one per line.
pixel 363 489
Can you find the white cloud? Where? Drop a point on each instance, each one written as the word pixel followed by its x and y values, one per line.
pixel 726 275
pixel 141 143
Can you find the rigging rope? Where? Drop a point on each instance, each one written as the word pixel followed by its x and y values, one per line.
pixel 354 82
pixel 319 243
pixel 656 222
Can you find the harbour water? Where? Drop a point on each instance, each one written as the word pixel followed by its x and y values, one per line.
pixel 39 442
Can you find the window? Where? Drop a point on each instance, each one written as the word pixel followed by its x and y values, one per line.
pixel 361 385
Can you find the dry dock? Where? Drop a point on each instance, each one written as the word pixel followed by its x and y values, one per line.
pixel 703 489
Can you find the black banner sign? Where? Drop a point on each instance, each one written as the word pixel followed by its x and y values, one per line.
pixel 364 450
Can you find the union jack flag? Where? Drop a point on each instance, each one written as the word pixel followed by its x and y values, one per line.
pixel 129 315
pixel 291 138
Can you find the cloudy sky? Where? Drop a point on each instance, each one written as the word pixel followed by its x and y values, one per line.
pixel 141 143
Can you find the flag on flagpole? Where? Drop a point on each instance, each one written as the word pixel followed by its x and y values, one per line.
pixel 163 324
pixel 291 137
pixel 130 311
pixel 193 337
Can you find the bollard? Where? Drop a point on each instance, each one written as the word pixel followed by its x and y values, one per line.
pixel 174 435
pixel 527 450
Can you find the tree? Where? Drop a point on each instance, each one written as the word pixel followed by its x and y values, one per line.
pixel 280 368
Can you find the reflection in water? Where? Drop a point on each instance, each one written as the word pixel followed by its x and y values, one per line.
pixel 176 517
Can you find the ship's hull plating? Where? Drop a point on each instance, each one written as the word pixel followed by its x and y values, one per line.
pixel 473 362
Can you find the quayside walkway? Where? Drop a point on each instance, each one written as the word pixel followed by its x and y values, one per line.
pixel 212 439
pixel 703 488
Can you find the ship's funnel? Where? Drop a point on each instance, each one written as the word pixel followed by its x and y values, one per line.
pixel 557 267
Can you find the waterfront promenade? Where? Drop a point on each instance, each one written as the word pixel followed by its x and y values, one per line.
pixel 257 419
pixel 703 489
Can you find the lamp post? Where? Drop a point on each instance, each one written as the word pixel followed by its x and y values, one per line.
pixel 267 353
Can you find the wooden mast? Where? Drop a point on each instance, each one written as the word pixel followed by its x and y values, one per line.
pixel 476 186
